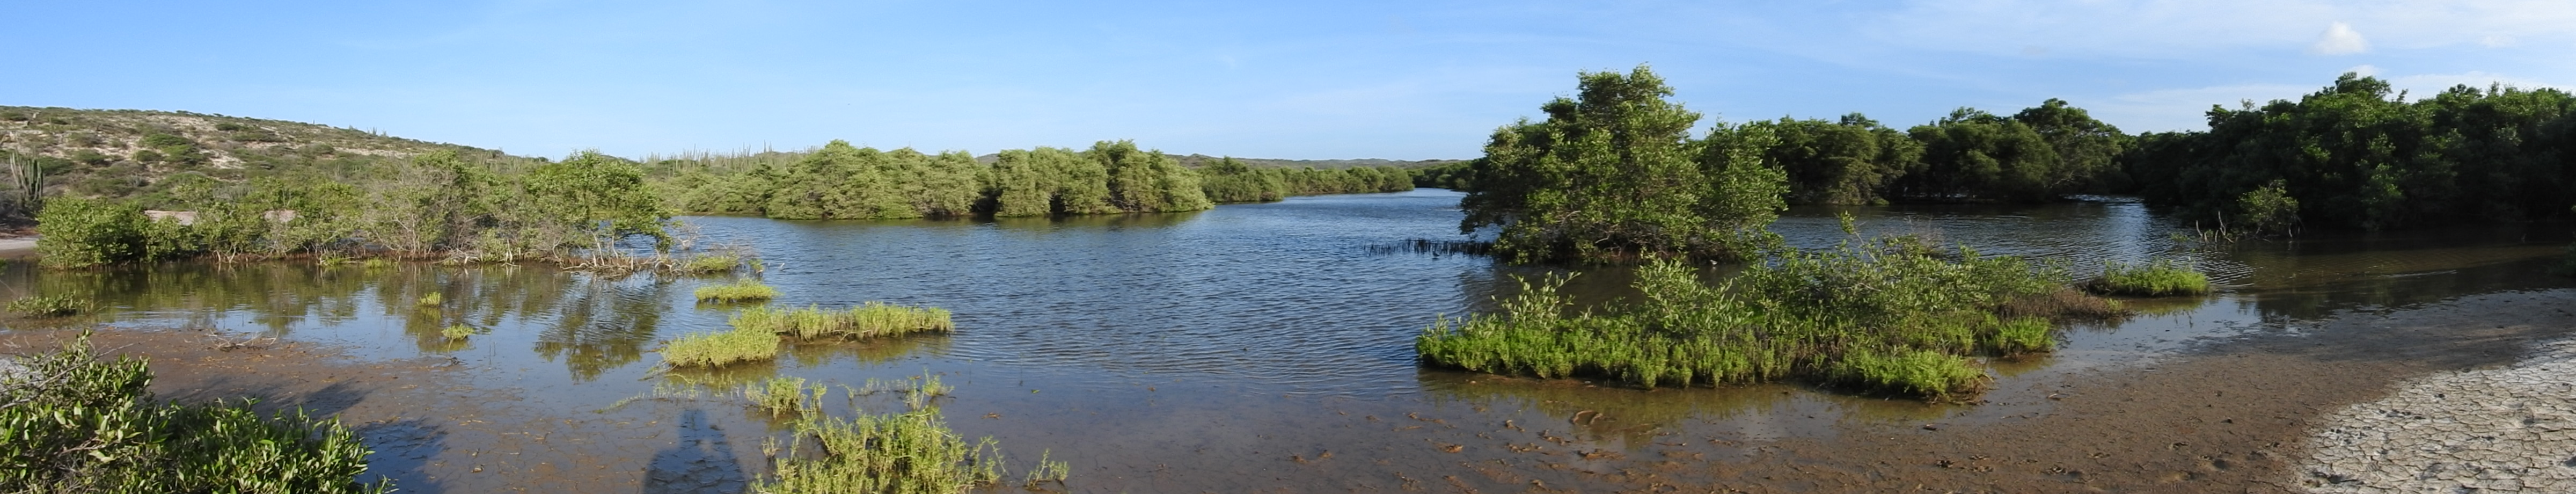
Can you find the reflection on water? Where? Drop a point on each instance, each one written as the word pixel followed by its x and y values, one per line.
pixel 1222 312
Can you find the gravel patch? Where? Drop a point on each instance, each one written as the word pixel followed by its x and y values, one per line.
pixel 2510 429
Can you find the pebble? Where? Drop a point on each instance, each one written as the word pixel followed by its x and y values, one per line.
pixel 2509 429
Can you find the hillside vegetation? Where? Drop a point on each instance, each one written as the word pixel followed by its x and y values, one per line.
pixel 144 155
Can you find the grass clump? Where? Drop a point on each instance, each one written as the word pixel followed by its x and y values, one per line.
pixel 743 290
pixel 869 320
pixel 2154 279
pixel 47 306
pixel 721 348
pixel 1888 316
pixel 76 423
pixel 433 299
pixel 709 264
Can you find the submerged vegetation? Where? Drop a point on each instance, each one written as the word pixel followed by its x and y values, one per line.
pixel 73 422
pixel 2154 279
pixel 48 306
pixel 1887 316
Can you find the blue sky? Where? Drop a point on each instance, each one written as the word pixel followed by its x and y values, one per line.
pixel 1312 80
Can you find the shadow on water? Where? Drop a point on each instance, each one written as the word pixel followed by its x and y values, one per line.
pixel 702 462
pixel 403 451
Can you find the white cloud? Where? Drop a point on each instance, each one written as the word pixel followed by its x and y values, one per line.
pixel 2366 70
pixel 2340 39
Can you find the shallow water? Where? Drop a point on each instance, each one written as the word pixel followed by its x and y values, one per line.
pixel 1225 350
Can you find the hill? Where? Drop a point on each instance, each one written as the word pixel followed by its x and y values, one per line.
pixel 134 153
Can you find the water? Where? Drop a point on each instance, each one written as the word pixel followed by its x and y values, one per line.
pixel 1222 350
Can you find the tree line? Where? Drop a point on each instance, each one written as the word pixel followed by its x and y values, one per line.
pixel 841 181
pixel 1613 173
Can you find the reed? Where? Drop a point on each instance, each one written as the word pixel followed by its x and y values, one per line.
pixel 869 320
pixel 1888 316
pixel 743 290
pixel 2159 278
pixel 721 348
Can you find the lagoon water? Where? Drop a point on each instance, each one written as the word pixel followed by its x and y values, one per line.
pixel 1256 346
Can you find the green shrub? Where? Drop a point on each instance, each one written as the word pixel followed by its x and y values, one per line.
pixel 458 332
pixel 48 306
pixel 433 299
pixel 74 423
pixel 1888 316
pixel 79 233
pixel 743 290
pixel 909 452
pixel 2154 279
pixel 721 348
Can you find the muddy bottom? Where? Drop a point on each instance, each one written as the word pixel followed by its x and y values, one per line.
pixel 2230 415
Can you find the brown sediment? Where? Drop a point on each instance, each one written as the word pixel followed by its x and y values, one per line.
pixel 2235 417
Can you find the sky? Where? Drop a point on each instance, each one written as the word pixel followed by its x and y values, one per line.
pixel 1298 80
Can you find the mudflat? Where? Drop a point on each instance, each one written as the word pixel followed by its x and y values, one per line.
pixel 2243 413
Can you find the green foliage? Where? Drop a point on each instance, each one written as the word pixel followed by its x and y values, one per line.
pixel 2268 210
pixel 458 332
pixel 48 306
pixel 1228 181
pixel 910 452
pixel 721 348
pixel 433 299
pixel 1851 161
pixel 868 320
pixel 75 423
pixel 742 290
pixel 1886 316
pixel 2358 155
pixel 1147 181
pixel 1613 175
pixel 79 233
pixel 711 263
pixel 2155 279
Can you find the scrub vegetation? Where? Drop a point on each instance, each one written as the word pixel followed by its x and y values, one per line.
pixel 73 422
pixel 721 348
pixel 48 306
pixel 1885 316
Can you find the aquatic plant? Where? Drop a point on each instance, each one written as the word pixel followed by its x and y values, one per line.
pixel 709 264
pixel 1887 316
pixel 742 290
pixel 909 452
pixel 47 306
pixel 782 395
pixel 73 422
pixel 433 299
pixel 2154 279
pixel 868 320
pixel 721 348
pixel 457 332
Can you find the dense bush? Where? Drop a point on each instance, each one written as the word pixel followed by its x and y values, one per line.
pixel 1613 175
pixel 840 181
pixel 73 423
